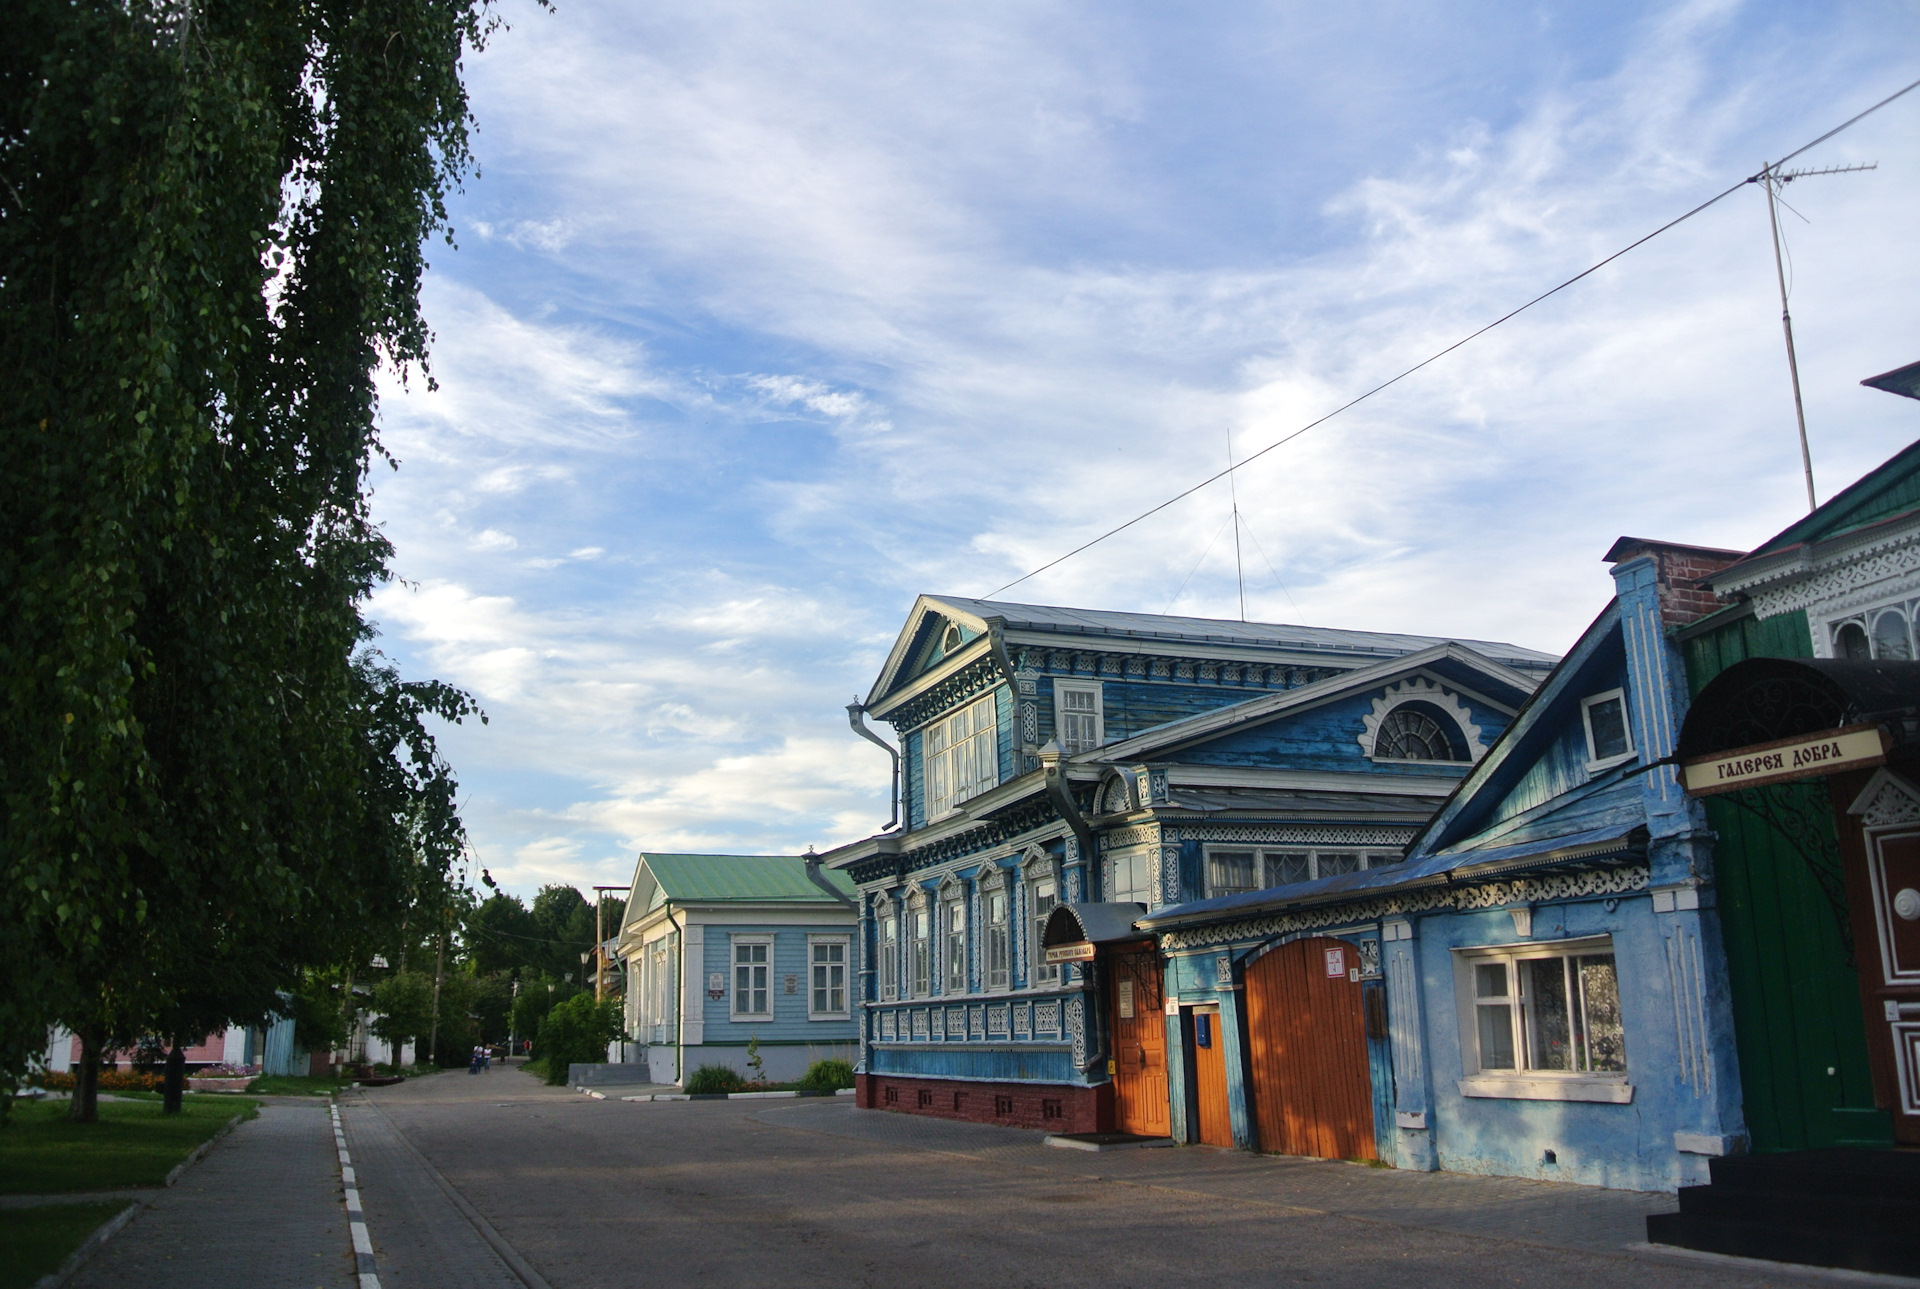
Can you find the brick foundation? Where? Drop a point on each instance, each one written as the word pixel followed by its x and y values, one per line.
pixel 1050 1107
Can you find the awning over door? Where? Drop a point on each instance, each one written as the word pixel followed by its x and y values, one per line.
pixel 1091 924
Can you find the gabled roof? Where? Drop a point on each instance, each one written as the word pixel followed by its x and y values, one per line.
pixel 1888 492
pixel 744 879
pixel 1061 627
pixel 1453 663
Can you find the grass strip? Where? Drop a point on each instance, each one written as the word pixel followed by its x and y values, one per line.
pixel 132 1145
pixel 38 1240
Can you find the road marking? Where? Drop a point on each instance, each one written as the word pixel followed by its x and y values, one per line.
pixel 356 1215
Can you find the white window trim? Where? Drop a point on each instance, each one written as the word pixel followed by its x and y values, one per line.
pixel 917 905
pixel 1594 763
pixel 953 896
pixel 1063 686
pixel 1529 1085
pixel 994 884
pixel 991 700
pixel 1032 873
pixel 1370 858
pixel 846 976
pixel 889 954
pixel 733 941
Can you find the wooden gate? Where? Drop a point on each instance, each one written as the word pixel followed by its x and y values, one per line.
pixel 1307 1042
pixel 1210 1079
pixel 1139 1043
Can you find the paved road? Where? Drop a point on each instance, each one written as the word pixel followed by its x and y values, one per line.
pixel 610 1193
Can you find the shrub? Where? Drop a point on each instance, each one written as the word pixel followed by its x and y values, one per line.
pixel 110 1081
pixel 715 1078
pixel 828 1076
pixel 577 1031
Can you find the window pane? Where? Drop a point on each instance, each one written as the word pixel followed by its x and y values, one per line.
pixel 1607 721
pixel 1230 871
pixel 1334 865
pixel 1496 1036
pixel 1853 644
pixel 1043 902
pixel 1890 637
pixel 1490 980
pixel 1286 867
pixel 1549 1024
pixel 1606 1038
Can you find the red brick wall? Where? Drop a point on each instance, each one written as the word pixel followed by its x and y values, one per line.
pixel 211 1048
pixel 1046 1106
pixel 1679 569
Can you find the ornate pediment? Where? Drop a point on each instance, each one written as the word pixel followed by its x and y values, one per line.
pixel 1888 799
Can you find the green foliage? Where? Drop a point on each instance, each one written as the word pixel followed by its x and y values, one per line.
pixel 577 1031
pixel 492 1006
pixel 211 236
pixel 319 1016
pixel 536 1000
pixel 709 1079
pixel 828 1076
pixel 403 1007
pixel 755 1061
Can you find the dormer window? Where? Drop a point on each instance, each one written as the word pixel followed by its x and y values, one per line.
pixel 1417 732
pixel 1609 741
pixel 1078 721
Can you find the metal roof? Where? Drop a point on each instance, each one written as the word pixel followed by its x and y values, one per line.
pixel 1091 923
pixel 1224 631
pixel 742 878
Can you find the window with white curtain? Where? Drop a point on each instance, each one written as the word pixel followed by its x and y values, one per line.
pixel 888 935
pixel 1077 715
pixel 999 958
pixel 1045 896
pixel 827 963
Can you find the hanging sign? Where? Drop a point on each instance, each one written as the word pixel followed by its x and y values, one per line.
pixel 1806 756
pixel 1079 951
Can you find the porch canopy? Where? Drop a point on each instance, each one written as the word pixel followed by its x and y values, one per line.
pixel 1772 707
pixel 1091 924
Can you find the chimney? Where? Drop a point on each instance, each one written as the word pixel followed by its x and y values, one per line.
pixel 1678 569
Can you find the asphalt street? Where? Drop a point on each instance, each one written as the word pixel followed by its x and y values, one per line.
pixel 571 1192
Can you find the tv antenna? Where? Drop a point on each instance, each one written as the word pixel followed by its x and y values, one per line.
pixel 1775 180
pixel 1239 572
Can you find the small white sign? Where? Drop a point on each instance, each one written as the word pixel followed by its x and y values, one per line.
pixel 1336 963
pixel 1126 1000
pixel 716 984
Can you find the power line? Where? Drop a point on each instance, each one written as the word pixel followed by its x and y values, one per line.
pixel 1467 339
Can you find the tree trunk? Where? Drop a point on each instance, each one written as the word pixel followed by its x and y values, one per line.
pixel 85 1106
pixel 176 1080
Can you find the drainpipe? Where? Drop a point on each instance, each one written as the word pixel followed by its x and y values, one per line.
pixel 857 718
pixel 1051 764
pixel 819 879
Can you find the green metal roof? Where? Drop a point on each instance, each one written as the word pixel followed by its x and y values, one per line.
pixel 741 878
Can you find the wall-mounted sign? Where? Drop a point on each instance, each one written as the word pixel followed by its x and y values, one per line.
pixel 716 984
pixel 793 984
pixel 1079 951
pixel 1806 756
pixel 1126 1000
pixel 1336 963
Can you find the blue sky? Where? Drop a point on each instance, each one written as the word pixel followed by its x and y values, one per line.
pixel 767 317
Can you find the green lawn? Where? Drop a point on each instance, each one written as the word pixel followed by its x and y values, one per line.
pixel 132 1145
pixel 38 1240
pixel 294 1085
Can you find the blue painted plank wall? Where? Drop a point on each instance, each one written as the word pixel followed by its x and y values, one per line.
pixel 789 1010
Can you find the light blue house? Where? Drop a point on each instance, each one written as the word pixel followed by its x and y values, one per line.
pixel 1539 989
pixel 732 955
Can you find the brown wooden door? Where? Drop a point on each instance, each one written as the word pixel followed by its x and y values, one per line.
pixel 1307 1044
pixel 1890 974
pixel 1210 1078
pixel 1139 1043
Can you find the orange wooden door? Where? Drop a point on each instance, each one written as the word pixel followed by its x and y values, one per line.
pixel 1307 1044
pixel 1210 1078
pixel 1139 1044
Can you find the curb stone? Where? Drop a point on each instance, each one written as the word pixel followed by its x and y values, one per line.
pixel 112 1226
pixel 724 1096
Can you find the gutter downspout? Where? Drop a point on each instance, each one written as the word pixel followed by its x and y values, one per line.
pixel 1051 766
pixel 815 876
pixel 857 718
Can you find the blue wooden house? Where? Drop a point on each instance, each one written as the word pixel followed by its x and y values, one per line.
pixel 727 953
pixel 1064 771
pixel 1538 989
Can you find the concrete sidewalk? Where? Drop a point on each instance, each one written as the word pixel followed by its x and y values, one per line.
pixel 262 1208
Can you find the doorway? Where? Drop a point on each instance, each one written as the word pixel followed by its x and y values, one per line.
pixel 1307 1046
pixel 1212 1119
pixel 1139 1031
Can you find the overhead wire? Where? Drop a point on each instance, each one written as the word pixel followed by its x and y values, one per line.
pixel 1757 177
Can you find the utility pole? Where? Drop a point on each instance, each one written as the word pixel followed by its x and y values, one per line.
pixel 600 940
pixel 1773 179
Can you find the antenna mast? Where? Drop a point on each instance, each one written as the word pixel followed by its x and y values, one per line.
pixel 1773 179
pixel 1233 487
